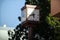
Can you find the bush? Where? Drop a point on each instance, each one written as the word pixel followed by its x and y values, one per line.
pixel 54 22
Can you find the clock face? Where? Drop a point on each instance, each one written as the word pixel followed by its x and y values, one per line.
pixel 31 14
pixel 34 16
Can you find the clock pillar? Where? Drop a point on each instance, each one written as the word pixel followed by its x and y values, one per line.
pixel 30 19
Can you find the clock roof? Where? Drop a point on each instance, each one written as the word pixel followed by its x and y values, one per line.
pixel 30 6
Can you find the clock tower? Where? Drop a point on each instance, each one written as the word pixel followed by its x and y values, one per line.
pixel 30 18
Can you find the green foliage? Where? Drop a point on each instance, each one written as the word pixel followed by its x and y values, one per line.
pixel 53 21
pixel 31 2
pixel 50 21
pixel 48 0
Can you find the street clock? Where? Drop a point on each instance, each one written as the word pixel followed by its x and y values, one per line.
pixel 30 12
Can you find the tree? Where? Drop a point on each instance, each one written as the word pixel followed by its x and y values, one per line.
pixel 55 23
pixel 44 12
pixel 31 2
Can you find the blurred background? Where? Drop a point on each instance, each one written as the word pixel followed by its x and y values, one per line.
pixel 10 10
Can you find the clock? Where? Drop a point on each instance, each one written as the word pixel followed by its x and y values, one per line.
pixel 34 16
pixel 30 12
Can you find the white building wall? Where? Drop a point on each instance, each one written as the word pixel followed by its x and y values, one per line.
pixel 4 35
pixel 4 32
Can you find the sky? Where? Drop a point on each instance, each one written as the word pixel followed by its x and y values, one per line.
pixel 9 12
